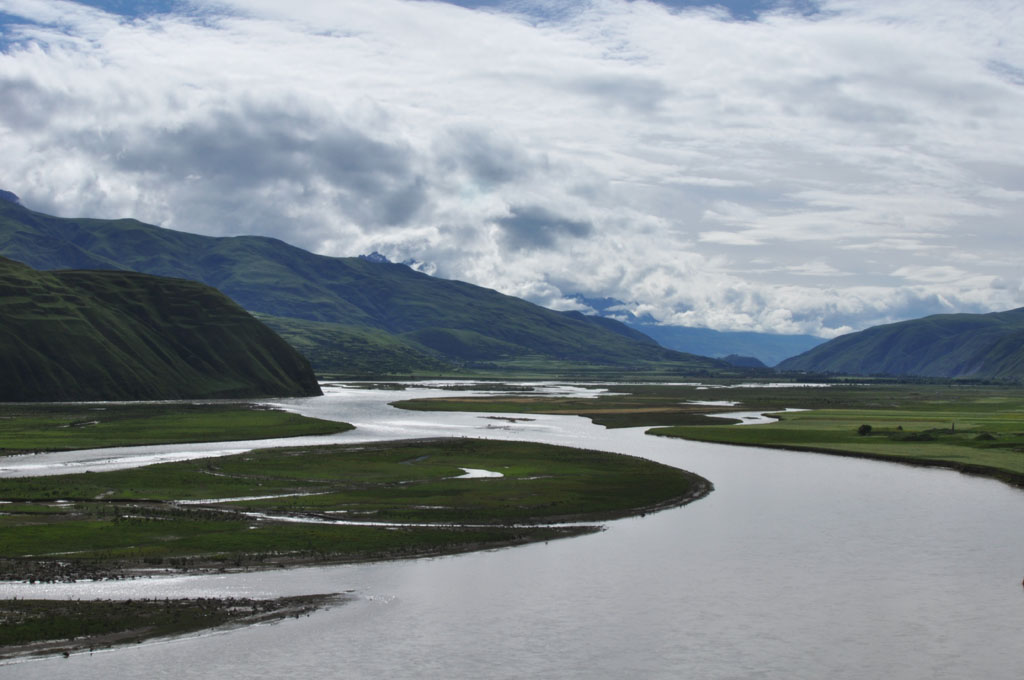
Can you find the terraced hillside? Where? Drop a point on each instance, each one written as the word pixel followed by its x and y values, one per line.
pixel 114 335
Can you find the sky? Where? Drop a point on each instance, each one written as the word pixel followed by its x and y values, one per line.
pixel 805 166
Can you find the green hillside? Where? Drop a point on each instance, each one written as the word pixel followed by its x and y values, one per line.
pixel 110 335
pixel 398 318
pixel 354 350
pixel 983 346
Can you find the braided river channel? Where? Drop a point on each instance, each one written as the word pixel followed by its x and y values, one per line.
pixel 797 565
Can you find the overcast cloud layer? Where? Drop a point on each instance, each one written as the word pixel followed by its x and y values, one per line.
pixel 814 168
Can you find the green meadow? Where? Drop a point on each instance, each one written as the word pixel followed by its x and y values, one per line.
pixel 983 437
pixel 199 515
pixel 63 427
pixel 976 428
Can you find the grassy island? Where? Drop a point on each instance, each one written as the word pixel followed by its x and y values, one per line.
pixel 278 507
pixel 623 406
pixel 63 427
pixel 70 626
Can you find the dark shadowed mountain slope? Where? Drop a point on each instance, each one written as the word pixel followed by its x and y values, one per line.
pixel 364 302
pixel 984 346
pixel 744 362
pixel 110 335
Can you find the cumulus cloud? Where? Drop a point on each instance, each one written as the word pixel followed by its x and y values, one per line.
pixel 814 167
pixel 532 227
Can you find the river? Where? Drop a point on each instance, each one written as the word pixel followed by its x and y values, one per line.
pixel 796 566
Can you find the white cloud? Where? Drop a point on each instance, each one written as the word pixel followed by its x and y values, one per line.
pixel 619 149
pixel 729 238
pixel 943 274
pixel 815 269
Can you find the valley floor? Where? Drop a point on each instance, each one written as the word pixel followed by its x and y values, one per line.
pixel 977 429
pixel 287 507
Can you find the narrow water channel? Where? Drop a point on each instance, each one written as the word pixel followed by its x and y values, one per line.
pixel 796 566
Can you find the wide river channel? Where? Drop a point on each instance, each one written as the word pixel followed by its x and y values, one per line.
pixel 796 566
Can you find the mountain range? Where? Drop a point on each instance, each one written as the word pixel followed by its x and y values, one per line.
pixel 370 317
pixel 768 348
pixel 115 335
pixel 349 316
pixel 980 346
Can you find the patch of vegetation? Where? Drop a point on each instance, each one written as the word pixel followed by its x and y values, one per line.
pixel 980 435
pixel 68 626
pixel 974 428
pixel 637 405
pixel 233 512
pixel 634 407
pixel 62 427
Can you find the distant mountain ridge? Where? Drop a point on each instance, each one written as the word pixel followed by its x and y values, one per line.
pixel 982 346
pixel 112 335
pixel 768 348
pixel 376 310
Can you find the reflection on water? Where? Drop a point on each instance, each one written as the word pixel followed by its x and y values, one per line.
pixel 797 566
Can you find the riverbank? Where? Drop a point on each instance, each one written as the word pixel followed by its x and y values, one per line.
pixel 344 545
pixel 974 429
pixel 33 428
pixel 49 627
pixel 983 438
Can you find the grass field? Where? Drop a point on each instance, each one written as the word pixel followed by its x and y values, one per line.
pixel 62 427
pixel 974 428
pixel 62 527
pixel 984 437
